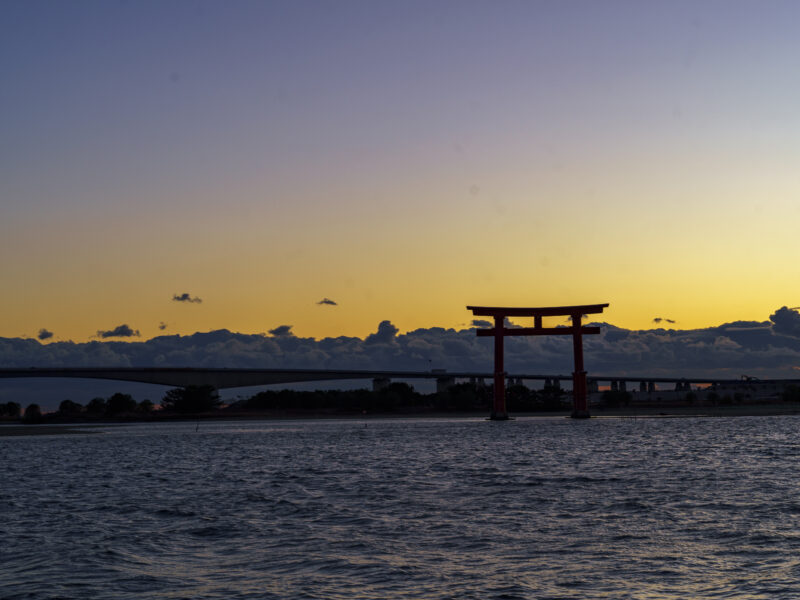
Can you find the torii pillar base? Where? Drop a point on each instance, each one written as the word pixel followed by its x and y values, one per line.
pixel 580 403
pixel 499 412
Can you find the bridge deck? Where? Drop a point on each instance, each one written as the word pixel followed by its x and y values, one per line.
pixel 231 378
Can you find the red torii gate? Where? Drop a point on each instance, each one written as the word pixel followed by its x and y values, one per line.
pixel 580 408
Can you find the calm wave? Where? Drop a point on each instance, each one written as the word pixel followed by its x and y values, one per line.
pixel 532 508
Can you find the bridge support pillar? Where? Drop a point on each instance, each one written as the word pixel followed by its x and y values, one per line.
pixel 642 386
pixel 477 382
pixel 380 383
pixel 651 387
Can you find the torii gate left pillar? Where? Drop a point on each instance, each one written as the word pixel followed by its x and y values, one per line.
pixel 580 406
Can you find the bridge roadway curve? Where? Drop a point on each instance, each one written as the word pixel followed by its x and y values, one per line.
pixel 232 378
pixel 223 378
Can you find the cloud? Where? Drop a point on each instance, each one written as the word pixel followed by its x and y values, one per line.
pixel 44 334
pixel 119 331
pixel 658 320
pixel 786 321
pixel 385 334
pixel 327 301
pixel 185 297
pixel 162 326
pixel 481 323
pixel 765 349
pixel 282 331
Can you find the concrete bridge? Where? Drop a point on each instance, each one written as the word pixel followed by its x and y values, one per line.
pixel 232 378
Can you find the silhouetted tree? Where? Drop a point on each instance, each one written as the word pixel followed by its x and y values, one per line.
pixel 519 399
pixel 191 399
pixel 550 397
pixel 264 400
pixel 462 396
pixel 96 406
pixel 120 403
pixel 394 395
pixel 33 414
pixel 791 393
pixel 615 398
pixel 69 408
pixel 145 406
pixel 10 409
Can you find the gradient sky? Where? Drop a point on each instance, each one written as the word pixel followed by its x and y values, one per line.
pixel 401 158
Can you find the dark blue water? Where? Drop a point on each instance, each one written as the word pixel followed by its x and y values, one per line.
pixel 534 508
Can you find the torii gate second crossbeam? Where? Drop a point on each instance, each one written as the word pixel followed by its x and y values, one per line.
pixel 580 408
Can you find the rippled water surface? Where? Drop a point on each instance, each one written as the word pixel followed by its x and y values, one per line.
pixel 532 508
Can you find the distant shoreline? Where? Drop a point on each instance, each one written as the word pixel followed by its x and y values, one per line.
pixel 737 410
pixel 752 410
pixel 19 430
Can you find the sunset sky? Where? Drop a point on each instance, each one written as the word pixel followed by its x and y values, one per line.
pixel 402 159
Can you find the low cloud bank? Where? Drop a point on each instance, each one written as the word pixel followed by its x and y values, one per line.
pixel 762 349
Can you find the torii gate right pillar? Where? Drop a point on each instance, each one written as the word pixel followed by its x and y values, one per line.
pixel 580 401
pixel 499 412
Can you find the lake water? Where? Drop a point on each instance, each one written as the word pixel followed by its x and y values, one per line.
pixel 383 509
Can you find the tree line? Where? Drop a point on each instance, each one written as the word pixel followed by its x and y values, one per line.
pixel 193 400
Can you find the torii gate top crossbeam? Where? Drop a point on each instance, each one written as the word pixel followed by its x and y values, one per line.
pixel 499 313
pixel 545 311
